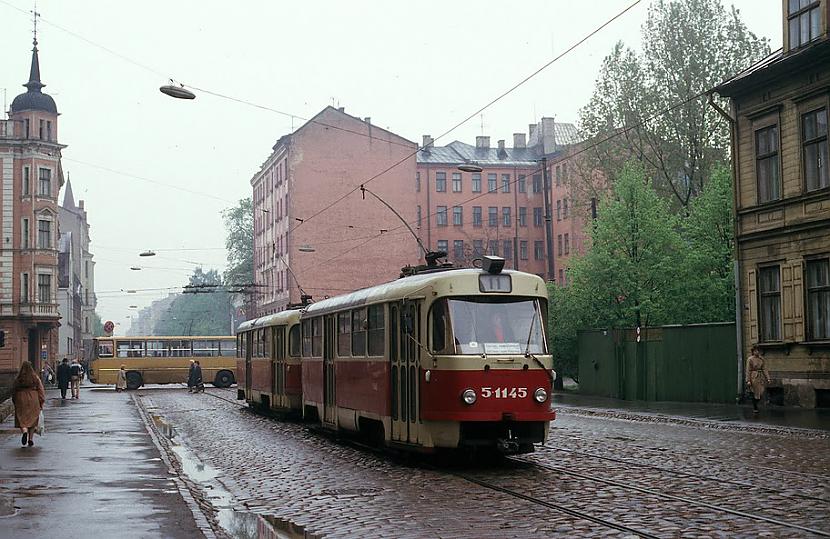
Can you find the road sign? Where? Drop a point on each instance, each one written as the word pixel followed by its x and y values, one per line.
pixel 109 326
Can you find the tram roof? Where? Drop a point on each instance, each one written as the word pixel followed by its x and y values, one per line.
pixel 524 283
pixel 288 316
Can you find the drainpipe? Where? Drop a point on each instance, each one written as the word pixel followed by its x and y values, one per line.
pixel 733 143
pixel 548 219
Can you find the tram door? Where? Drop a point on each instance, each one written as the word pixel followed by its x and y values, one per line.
pixel 279 367
pixel 404 370
pixel 247 339
pixel 329 408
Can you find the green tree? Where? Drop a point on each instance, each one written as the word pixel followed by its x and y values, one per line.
pixel 688 46
pixel 97 325
pixel 204 308
pixel 239 224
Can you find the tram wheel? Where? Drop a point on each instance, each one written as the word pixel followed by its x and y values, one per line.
pixel 223 379
pixel 134 380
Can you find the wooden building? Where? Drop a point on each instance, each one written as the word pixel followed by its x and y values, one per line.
pixel 779 109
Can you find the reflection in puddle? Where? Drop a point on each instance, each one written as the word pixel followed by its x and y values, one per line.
pixel 237 524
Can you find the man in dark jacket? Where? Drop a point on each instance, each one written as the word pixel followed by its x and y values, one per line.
pixel 64 374
pixel 198 384
pixel 190 379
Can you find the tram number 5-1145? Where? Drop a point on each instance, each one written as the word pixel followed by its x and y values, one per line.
pixel 504 392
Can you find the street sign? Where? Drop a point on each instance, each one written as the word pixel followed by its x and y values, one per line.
pixel 109 326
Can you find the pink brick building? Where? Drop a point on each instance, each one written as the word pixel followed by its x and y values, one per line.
pixel 31 175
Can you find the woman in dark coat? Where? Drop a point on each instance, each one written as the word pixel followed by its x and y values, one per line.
pixel 28 397
pixel 64 374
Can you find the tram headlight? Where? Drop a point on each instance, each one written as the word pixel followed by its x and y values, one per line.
pixel 540 395
pixel 469 396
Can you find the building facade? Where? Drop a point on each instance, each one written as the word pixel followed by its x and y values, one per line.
pixel 346 248
pixel 31 175
pixel 779 109
pixel 69 301
pixel 79 276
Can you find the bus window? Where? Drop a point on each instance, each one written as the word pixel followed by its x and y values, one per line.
pixel 105 349
pixel 205 348
pixel 130 348
pixel 157 349
pixel 180 348
pixel 227 348
pixel 294 341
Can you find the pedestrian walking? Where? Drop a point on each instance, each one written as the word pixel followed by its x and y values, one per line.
pixel 757 376
pixel 64 375
pixel 198 384
pixel 121 383
pixel 76 371
pixel 28 398
pixel 190 378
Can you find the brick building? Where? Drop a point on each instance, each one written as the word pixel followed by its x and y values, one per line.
pixel 780 109
pixel 344 248
pixel 31 175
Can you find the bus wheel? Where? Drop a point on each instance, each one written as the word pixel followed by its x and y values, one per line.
pixel 223 379
pixel 134 380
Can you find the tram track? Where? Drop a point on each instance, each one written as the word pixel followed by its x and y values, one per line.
pixel 656 493
pixel 681 473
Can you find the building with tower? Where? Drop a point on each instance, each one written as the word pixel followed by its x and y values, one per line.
pixel 31 176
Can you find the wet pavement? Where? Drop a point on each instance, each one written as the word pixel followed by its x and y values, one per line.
pixel 96 473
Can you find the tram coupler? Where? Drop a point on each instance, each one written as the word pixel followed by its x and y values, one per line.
pixel 507 446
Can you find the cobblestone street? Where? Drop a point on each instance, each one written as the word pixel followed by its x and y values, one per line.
pixel 653 479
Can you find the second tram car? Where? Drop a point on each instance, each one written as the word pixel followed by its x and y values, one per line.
pixel 443 359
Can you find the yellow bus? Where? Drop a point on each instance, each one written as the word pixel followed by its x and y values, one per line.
pixel 163 360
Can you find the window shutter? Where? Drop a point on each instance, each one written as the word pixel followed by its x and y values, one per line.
pixel 752 296
pixel 787 306
pixel 792 296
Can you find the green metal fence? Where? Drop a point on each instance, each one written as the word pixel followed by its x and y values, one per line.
pixel 695 363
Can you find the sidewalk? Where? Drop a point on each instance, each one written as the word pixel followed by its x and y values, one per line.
pixel 769 416
pixel 96 470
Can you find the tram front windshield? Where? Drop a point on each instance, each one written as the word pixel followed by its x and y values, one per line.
pixel 484 326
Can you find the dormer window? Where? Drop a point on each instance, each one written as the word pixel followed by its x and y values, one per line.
pixel 804 20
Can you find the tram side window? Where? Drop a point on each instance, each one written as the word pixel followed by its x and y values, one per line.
pixel 240 350
pixel 105 349
pixel 279 342
pixel 359 332
pixel 375 328
pixel 344 334
pixel 157 349
pixel 294 341
pixel 243 345
pixel 268 344
pixel 317 337
pixel 439 326
pixel 306 338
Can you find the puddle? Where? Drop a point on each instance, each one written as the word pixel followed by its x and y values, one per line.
pixel 237 524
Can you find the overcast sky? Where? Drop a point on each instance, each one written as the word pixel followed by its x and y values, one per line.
pixel 415 67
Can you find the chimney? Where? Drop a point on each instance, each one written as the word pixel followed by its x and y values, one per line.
pixel 483 142
pixel 502 152
pixel 519 140
pixel 427 143
pixel 341 109
pixel 368 120
pixel 531 130
pixel 81 204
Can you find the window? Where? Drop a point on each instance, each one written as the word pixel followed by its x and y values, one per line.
pixel 505 183
pixel 42 130
pixel 558 210
pixel 522 184
pixel 417 182
pixel 344 334
pixel 476 183
pixel 567 245
pixel 537 216
pixel 458 249
pixel 419 216
pixel 803 18
pixel 494 247
pixel 44 234
pixel 24 288
pixel 558 181
pixel 441 216
pixel 818 299
pixel 26 179
pixel 476 215
pixel 492 216
pixel 375 324
pixel 440 181
pixel 559 245
pixel 537 183
pixel 565 171
pixel 443 245
pixel 294 341
pixel 766 164
pixel 44 288
pixel 48 130
pixel 814 142
pixel 491 183
pixel 564 208
pixel 523 250
pixel 24 234
pixel 45 183
pixel 26 129
pixel 770 310
pixel 478 247
pixel 507 249
pixel 207 348
pixel 522 216
pixel 538 250
pixel 456 182
pixel 306 338
pixel 457 216
pixel 506 221
pixel 359 332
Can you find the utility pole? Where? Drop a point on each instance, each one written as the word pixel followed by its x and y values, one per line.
pixel 548 220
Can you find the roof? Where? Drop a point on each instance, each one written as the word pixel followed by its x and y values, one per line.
pixel 34 98
pixel 458 152
pixel 776 64
pixel 289 316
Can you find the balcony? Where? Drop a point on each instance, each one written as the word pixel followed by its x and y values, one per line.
pixel 39 310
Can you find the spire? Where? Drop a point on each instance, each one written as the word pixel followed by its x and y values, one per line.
pixel 68 197
pixel 34 99
pixel 34 84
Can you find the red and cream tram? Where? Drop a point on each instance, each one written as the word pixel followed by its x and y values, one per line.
pixel 442 359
